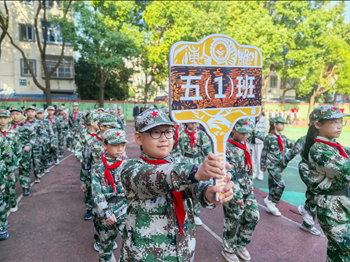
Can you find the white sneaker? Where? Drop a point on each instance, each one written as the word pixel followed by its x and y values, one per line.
pixel 229 257
pixel 60 156
pixel 37 180
pixel 306 216
pixel 68 149
pixel 97 246
pixel 312 230
pixel 115 246
pixel 260 177
pixel 47 170
pixel 271 207
pixel 198 221
pixel 57 162
pixel 14 209
pixel 243 253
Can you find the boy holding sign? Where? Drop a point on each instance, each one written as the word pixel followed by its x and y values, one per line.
pixel 159 191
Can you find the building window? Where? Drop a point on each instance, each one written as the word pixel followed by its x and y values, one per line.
pixel 24 69
pixel 28 2
pixel 48 4
pixel 26 33
pixel 64 70
pixel 273 81
pixel 54 33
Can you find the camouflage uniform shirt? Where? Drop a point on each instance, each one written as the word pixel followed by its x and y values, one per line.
pixel 296 150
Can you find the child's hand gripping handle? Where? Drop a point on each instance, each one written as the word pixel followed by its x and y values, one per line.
pixel 221 183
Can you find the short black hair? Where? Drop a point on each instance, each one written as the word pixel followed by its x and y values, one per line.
pixel 34 105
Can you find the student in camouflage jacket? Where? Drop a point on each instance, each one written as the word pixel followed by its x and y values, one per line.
pixel 7 165
pixel 108 192
pixel 41 137
pixel 271 157
pixel 12 137
pixel 53 122
pixel 75 121
pixel 326 166
pixel 241 214
pixel 63 129
pixel 151 182
pixel 122 117
pixel 27 136
pixel 195 145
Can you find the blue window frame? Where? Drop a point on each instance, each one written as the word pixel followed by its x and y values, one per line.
pixel 26 33
pixel 53 33
pixel 24 68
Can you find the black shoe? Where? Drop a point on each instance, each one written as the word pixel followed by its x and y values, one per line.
pixel 4 235
pixel 88 215
pixel 26 192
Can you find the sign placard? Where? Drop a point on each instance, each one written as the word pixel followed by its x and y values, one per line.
pixel 215 82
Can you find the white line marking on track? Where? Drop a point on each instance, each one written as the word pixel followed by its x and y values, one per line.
pixel 21 195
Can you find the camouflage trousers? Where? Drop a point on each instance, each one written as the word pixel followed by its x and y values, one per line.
pixel 196 208
pixel 46 156
pixel 37 156
pixel 10 192
pixel 24 169
pixel 4 225
pixel 107 236
pixel 88 194
pixel 239 224
pixel 71 139
pixel 333 213
pixel 276 185
pixel 53 152
pixel 310 206
pixel 61 140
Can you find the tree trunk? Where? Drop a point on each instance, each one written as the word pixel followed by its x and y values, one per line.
pixel 284 93
pixel 102 96
pixel 312 102
pixel 335 98
pixel 48 91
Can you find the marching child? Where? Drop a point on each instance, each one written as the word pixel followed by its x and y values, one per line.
pixel 63 129
pixel 108 192
pixel 27 136
pixel 52 120
pixel 159 191
pixel 12 137
pixel 121 116
pixel 241 213
pixel 75 120
pixel 329 175
pixel 41 136
pixel 275 147
pixel 196 146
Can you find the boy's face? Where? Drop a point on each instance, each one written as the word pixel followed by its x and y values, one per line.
pixel 40 116
pixel 75 108
pixel 61 112
pixel 114 151
pixel 192 126
pixel 16 116
pixel 119 111
pixel 51 112
pixel 239 136
pixel 156 148
pixel 100 112
pixel 94 124
pixel 279 127
pixel 4 120
pixel 31 113
pixel 104 128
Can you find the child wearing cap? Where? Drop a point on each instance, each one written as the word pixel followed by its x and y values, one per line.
pixel 75 121
pixel 275 147
pixel 12 137
pixel 52 120
pixel 195 145
pixel 326 167
pixel 101 110
pixel 27 137
pixel 49 140
pixel 7 165
pixel 62 128
pixel 108 192
pixel 40 137
pixel 122 117
pixel 241 214
pixel 159 191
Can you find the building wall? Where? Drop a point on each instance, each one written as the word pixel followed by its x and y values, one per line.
pixel 273 89
pixel 10 62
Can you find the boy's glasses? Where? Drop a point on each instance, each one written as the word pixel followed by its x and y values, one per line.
pixel 156 134
pixel 339 123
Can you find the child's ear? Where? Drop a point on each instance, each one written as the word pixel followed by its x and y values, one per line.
pixel 138 138
pixel 104 145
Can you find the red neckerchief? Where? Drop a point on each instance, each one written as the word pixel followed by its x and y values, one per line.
pixel 177 196
pixel 176 133
pixel 84 125
pixel 248 159
pixel 108 174
pixel 99 138
pixel 75 115
pixel 50 119
pixel 4 132
pixel 191 134
pixel 279 140
pixel 341 150
pixel 65 117
pixel 19 124
pixel 120 115
pixel 87 131
pixel 31 121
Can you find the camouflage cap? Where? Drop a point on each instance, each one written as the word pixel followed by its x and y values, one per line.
pixel 60 108
pixel 115 136
pixel 31 108
pixel 244 126
pixel 92 117
pixel 50 108
pixel 151 118
pixel 107 119
pixel 325 112
pixel 40 110
pixel 277 119
pixel 5 113
pixel 16 108
pixel 145 106
pixel 119 108
pixel 101 108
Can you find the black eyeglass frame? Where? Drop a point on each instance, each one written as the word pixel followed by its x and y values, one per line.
pixel 161 133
